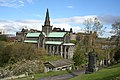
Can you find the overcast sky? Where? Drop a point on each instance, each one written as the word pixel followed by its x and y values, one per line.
pixel 16 14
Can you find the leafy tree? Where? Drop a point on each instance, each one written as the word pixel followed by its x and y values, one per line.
pixel 4 57
pixel 79 56
pixel 116 31
pixel 73 41
pixel 19 51
pixel 93 25
pixel 117 55
pixel 3 38
pixel 40 52
pixel 116 28
pixel 14 52
pixel 100 53
pixel 85 44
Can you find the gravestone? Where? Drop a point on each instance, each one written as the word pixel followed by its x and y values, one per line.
pixel 91 67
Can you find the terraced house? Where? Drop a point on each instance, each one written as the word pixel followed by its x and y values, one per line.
pixel 55 41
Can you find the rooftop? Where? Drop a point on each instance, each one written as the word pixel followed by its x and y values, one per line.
pixel 56 34
pixel 33 34
pixel 60 63
pixel 54 42
pixel 69 44
pixel 30 41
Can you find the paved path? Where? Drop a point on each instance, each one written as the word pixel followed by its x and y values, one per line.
pixel 13 77
pixel 64 76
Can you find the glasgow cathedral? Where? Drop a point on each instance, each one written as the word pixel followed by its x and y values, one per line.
pixel 56 41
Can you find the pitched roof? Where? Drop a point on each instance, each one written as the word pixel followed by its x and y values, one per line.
pixel 54 42
pixel 60 63
pixel 30 41
pixel 33 34
pixel 69 44
pixel 56 34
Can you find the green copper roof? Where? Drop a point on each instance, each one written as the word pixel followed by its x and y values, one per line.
pixel 30 41
pixel 69 44
pixel 54 42
pixel 33 34
pixel 56 34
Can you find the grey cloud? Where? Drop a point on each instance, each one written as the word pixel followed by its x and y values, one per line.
pixel 10 28
pixel 109 19
pixel 75 19
pixel 3 21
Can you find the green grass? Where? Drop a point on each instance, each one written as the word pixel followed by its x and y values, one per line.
pixel 37 76
pixel 105 74
pixel 50 58
pixel 50 74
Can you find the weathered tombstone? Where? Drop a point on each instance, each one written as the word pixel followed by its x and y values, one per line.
pixel 33 77
pixel 91 67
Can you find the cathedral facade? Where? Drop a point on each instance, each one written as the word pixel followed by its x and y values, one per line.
pixel 55 41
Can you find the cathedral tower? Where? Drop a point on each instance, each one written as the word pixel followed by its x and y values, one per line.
pixel 47 28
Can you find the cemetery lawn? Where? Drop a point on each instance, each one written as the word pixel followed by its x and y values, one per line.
pixel 41 75
pixel 50 74
pixel 109 73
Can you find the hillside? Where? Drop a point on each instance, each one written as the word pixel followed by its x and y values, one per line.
pixel 109 73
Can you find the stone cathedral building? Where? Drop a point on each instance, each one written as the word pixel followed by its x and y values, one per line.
pixel 54 40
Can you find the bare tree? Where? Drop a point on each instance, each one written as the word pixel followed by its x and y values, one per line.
pixel 94 25
pixel 88 25
pixel 116 28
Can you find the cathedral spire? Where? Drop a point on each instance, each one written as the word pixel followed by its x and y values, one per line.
pixel 47 18
pixel 47 28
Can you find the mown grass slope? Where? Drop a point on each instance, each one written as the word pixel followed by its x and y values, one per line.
pixel 109 73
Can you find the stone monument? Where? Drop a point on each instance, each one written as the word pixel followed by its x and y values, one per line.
pixel 91 67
